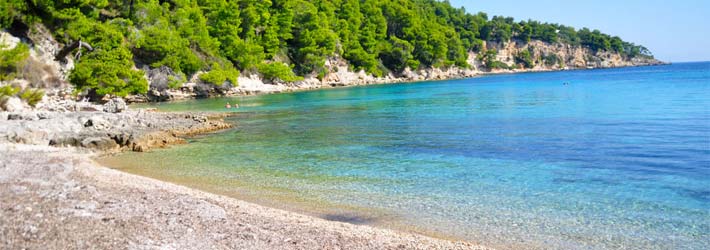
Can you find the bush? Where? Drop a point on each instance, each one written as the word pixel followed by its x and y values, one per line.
pixel 280 71
pixel 219 74
pixel 107 73
pixel 7 91
pixel 32 96
pixel 524 57
pixel 551 59
pixel 11 61
pixel 489 59
pixel 175 82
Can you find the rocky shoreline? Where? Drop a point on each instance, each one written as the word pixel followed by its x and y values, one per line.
pixel 106 132
pixel 340 76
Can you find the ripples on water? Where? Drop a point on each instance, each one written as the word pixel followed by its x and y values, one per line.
pixel 618 159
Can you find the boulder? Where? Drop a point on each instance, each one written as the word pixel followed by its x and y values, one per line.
pixel 26 116
pixel 99 143
pixel 98 123
pixel 35 137
pixel 12 104
pixel 115 105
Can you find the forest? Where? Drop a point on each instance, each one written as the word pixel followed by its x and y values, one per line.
pixel 282 40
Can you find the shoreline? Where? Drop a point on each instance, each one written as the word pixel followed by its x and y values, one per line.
pixel 60 197
pixel 289 201
pixel 80 204
pixel 256 86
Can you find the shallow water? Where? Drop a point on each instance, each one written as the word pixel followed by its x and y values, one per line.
pixel 616 159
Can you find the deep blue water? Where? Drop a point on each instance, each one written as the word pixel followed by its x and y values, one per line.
pixel 616 159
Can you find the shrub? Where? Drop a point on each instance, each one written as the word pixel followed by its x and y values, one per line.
pixel 489 59
pixel 107 73
pixel 11 61
pixel 175 82
pixel 219 74
pixel 524 57
pixel 7 91
pixel 280 71
pixel 32 96
pixel 551 59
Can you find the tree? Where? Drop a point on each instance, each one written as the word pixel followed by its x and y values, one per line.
pixel 104 72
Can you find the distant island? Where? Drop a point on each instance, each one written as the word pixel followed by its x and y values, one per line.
pixel 164 50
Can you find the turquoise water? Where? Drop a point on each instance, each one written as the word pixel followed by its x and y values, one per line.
pixel 616 159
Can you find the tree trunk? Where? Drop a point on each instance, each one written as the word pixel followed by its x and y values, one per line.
pixel 62 54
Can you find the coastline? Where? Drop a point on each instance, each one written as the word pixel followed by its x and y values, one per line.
pixel 59 197
pixel 342 77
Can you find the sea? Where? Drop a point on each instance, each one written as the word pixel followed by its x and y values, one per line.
pixel 587 159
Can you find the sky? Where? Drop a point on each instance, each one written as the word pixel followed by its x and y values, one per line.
pixel 674 31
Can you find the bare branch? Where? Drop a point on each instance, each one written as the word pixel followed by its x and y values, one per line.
pixel 62 54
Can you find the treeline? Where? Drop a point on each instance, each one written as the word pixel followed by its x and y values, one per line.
pixel 281 39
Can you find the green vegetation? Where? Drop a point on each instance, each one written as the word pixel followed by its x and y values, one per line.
pixel 7 91
pixel 105 72
pixel 11 60
pixel 195 35
pixel 32 96
pixel 278 71
pixel 525 57
pixel 551 60
pixel 219 75
pixel 488 57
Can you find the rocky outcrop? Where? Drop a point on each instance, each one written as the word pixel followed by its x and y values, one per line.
pixel 545 57
pixel 115 105
pixel 12 104
pixel 40 70
pixel 565 56
pixel 103 131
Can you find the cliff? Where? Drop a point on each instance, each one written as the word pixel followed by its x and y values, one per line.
pixel 340 73
pixel 163 50
pixel 52 75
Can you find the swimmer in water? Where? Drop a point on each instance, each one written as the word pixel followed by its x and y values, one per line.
pixel 228 106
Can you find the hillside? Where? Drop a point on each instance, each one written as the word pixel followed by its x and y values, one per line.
pixel 207 47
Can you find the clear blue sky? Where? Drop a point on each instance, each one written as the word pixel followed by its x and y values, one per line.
pixel 675 31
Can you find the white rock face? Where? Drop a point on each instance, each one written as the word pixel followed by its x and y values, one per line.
pixel 254 84
pixel 12 104
pixel 8 41
pixel 115 105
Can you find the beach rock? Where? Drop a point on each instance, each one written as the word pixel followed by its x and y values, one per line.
pixel 43 115
pixel 99 143
pixel 12 104
pixel 98 123
pixel 26 116
pixel 63 141
pixel 33 137
pixel 115 105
